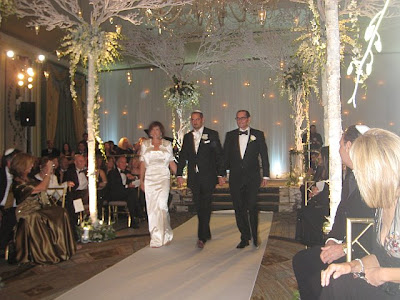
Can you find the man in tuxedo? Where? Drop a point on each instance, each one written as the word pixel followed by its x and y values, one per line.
pixel 7 201
pixel 77 173
pixel 121 188
pixel 202 152
pixel 50 150
pixel 242 149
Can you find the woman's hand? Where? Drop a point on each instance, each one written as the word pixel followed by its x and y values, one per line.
pixel 49 167
pixel 334 270
pixel 142 185
pixel 373 276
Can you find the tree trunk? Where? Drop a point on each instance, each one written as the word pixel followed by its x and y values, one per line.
pixel 334 105
pixel 91 138
pixel 324 96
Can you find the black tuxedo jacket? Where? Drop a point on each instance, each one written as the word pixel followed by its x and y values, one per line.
pixel 71 175
pixel 116 190
pixel 55 152
pixel 3 182
pixel 351 206
pixel 247 168
pixel 208 158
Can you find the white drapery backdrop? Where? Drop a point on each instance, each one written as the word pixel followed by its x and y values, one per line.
pixel 126 110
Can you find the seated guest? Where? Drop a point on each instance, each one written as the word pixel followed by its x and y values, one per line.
pixel 134 169
pixel 120 188
pixel 67 151
pixel 50 150
pixel 376 160
pixel 109 149
pixel 53 180
pixel 7 201
pixel 310 218
pixel 125 148
pixel 110 165
pixel 63 165
pixel 82 149
pixel 77 173
pixel 84 140
pixel 101 178
pixel 43 233
pixel 308 263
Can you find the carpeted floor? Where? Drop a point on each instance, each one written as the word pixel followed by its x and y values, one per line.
pixel 181 270
pixel 275 278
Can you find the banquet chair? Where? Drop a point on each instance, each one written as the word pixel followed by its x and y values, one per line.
pixel 308 188
pixel 113 210
pixel 350 241
pixel 57 194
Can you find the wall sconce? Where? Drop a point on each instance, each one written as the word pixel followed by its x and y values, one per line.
pixel 262 15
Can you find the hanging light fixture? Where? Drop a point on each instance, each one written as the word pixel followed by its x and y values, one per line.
pixel 262 15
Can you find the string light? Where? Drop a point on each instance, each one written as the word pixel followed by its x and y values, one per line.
pixel 129 77
pixel 46 74
pixel 215 121
pixel 106 112
pixel 262 15
pixel 151 69
pixel 391 124
pixel 10 54
pixel 37 28
pixel 345 112
pixel 41 58
pixel 118 29
pixel 224 105
pixel 271 96
pixel 364 97
pixel 246 83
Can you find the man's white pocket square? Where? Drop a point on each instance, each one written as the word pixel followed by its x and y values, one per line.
pixel 207 142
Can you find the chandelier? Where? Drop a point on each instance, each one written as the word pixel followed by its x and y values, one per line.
pixel 210 15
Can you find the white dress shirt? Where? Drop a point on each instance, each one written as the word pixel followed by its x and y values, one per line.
pixel 197 138
pixel 123 177
pixel 243 140
pixel 83 181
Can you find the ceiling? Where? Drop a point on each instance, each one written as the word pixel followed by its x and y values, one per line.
pixel 280 16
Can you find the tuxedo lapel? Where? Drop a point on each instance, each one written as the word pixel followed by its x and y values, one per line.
pixel 236 143
pixel 248 142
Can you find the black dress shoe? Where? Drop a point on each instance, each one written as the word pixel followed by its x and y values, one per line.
pixel 200 244
pixel 242 244
pixel 256 244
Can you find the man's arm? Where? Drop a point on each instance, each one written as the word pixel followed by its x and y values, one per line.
pixel 219 156
pixel 264 154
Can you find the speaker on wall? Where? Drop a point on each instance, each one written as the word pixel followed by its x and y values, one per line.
pixel 27 113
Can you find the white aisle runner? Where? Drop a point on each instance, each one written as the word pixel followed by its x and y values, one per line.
pixel 181 270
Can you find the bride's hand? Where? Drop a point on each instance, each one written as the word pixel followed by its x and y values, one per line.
pixel 142 186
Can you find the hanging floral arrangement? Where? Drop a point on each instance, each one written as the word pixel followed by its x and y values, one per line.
pixel 181 97
pixel 182 94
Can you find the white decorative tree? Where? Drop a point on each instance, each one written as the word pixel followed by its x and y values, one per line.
pixel 88 42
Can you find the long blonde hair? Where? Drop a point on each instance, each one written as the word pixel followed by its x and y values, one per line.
pixel 376 161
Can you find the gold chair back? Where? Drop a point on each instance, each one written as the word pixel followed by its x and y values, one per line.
pixel 350 241
pixel 57 194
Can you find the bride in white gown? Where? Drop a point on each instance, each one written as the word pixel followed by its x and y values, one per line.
pixel 156 162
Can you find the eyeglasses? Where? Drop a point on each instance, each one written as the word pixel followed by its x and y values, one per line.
pixel 241 118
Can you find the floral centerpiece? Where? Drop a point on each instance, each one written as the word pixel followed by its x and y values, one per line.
pixel 95 232
pixel 181 97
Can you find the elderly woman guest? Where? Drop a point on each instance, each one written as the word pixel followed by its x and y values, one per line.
pixel 43 232
pixel 156 161
pixel 124 147
pixel 376 161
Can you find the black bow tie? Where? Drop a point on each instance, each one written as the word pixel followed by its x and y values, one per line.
pixel 82 171
pixel 243 132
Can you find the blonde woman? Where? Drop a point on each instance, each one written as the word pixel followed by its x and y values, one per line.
pixel 376 161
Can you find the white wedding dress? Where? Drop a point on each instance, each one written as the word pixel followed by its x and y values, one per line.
pixel 156 185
